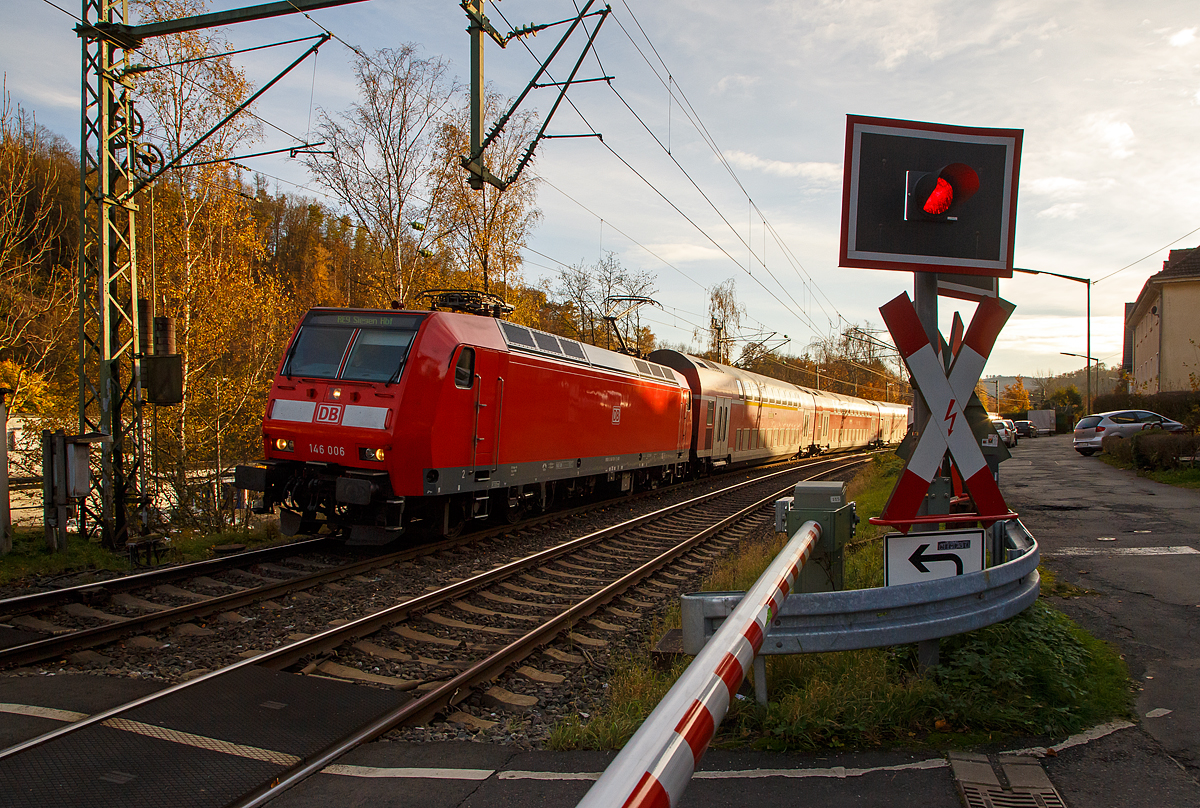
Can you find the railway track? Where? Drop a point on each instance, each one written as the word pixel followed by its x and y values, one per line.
pixel 53 624
pixel 440 645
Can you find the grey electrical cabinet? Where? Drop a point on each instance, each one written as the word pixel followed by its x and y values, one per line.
pixel 824 503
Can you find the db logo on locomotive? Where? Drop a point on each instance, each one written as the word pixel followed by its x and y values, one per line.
pixel 329 414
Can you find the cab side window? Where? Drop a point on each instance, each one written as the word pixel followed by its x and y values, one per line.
pixel 464 369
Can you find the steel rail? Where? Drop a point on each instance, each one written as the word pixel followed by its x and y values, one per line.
pixel 49 647
pixel 454 690
pixel 369 624
pixel 275 658
pixel 21 604
pixel 40 600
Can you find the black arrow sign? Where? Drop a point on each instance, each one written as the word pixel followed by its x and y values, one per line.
pixel 918 559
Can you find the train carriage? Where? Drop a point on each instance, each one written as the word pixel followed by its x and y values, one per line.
pixel 743 418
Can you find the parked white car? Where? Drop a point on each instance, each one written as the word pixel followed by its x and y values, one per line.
pixel 1006 431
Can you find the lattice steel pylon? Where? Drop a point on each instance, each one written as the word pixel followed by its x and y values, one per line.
pixel 110 398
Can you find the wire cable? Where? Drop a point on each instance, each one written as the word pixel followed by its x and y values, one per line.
pixel 802 317
pixel 697 122
pixel 1144 257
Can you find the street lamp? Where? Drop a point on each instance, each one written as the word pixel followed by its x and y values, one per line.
pixel 1088 281
pixel 1088 370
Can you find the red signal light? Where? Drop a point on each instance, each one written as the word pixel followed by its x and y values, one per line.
pixel 937 197
pixel 939 201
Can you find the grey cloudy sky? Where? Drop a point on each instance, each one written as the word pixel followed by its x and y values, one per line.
pixel 1107 93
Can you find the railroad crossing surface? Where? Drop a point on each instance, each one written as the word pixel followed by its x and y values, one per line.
pixel 1132 542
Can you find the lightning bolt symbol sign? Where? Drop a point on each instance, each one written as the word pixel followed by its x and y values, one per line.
pixel 950 416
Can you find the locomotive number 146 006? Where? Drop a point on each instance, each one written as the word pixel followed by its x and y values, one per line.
pixel 328 451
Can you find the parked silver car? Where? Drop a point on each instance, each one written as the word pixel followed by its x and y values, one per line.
pixel 1092 429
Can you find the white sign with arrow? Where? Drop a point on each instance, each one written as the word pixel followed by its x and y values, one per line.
pixel 915 557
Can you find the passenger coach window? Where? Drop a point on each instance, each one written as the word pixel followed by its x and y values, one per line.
pixel 464 370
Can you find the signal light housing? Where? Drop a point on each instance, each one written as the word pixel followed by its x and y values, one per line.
pixel 936 197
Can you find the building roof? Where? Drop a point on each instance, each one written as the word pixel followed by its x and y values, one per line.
pixel 1181 265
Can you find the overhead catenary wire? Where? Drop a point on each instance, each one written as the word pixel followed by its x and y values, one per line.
pixel 623 233
pixel 666 149
pixel 801 315
pixel 710 141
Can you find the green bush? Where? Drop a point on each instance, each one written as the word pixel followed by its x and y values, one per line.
pixel 1120 449
pixel 1158 450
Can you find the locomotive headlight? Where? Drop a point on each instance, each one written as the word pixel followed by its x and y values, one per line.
pixel 374 455
pixel 336 392
pixel 284 445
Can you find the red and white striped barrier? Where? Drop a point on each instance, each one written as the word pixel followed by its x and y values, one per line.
pixel 655 766
pixel 946 396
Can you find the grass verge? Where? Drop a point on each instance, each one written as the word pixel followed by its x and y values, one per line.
pixel 1180 478
pixel 1035 674
pixel 30 556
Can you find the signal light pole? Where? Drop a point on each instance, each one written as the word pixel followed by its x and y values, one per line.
pixel 1088 365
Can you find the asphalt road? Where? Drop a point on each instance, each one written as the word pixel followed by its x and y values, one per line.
pixel 1132 543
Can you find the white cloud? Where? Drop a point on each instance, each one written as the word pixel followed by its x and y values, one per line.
pixel 1055 186
pixel 1185 37
pixel 1116 135
pixel 1063 210
pixel 1045 336
pixel 736 81
pixel 820 173
pixel 679 253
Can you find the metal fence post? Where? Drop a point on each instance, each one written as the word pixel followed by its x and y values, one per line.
pixel 6 532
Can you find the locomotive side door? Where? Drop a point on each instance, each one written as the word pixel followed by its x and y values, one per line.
pixel 721 432
pixel 486 423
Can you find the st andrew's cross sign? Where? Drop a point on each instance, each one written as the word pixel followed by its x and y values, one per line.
pixel 946 397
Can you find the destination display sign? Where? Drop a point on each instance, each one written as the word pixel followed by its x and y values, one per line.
pixel 364 319
pixel 915 557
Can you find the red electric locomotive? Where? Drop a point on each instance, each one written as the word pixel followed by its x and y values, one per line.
pixel 380 422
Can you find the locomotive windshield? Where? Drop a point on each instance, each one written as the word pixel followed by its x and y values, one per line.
pixel 364 348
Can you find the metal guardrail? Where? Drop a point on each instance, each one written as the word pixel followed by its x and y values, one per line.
pixel 873 618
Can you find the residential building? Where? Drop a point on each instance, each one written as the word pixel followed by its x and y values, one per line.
pixel 1163 328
